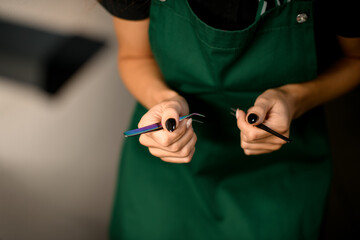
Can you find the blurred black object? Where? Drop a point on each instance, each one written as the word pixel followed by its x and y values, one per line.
pixel 41 58
pixel 342 215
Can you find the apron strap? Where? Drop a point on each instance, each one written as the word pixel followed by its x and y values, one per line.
pixel 261 8
pixel 263 4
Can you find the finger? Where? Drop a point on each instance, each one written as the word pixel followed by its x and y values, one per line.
pixel 183 152
pixel 256 152
pixel 170 116
pixel 269 138
pixel 151 117
pixel 257 113
pixel 166 138
pixel 148 141
pixel 260 146
pixel 181 159
pixel 252 133
pixel 184 140
pixel 240 119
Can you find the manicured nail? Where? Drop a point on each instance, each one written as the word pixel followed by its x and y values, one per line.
pixel 237 113
pixel 252 118
pixel 170 124
pixel 188 123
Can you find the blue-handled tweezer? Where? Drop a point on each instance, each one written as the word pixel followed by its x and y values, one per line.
pixel 155 126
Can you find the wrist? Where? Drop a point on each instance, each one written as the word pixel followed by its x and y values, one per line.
pixel 170 98
pixel 157 93
pixel 165 95
pixel 296 96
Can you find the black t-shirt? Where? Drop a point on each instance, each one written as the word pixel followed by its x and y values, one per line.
pixel 342 17
pixel 331 18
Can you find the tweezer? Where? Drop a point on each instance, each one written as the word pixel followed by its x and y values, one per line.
pixel 265 128
pixel 155 126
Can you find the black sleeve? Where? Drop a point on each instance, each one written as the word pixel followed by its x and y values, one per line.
pixel 127 9
pixel 342 16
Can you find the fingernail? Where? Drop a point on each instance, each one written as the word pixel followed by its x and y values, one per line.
pixel 252 118
pixel 188 123
pixel 237 113
pixel 170 124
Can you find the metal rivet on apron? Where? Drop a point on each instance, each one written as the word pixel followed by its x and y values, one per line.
pixel 162 0
pixel 301 17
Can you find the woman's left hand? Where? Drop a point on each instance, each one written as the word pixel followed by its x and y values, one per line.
pixel 274 109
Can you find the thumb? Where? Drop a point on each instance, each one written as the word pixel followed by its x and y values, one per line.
pixel 170 117
pixel 257 113
pixel 240 116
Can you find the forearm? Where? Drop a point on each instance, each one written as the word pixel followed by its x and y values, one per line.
pixel 137 67
pixel 342 77
pixel 339 79
pixel 143 79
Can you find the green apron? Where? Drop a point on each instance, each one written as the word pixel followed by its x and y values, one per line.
pixel 222 193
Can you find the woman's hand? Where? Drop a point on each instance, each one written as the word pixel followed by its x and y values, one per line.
pixel 176 142
pixel 275 109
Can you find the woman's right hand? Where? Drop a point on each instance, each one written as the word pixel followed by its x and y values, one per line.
pixel 176 142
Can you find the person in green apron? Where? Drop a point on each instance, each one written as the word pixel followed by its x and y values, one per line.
pixel 234 185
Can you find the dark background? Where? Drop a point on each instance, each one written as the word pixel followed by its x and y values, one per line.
pixel 342 216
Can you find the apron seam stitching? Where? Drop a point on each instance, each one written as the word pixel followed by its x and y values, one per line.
pixel 262 31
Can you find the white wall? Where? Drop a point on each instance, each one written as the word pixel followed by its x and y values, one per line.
pixel 59 156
